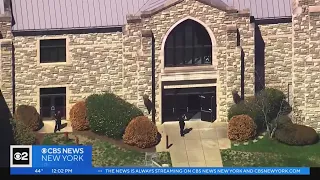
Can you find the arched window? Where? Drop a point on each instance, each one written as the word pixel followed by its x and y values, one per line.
pixel 188 44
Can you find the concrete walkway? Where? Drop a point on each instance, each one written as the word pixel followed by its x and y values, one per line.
pixel 49 126
pixel 199 148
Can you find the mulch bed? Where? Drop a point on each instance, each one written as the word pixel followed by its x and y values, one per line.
pixel 91 135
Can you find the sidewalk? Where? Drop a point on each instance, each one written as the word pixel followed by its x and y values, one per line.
pixel 199 148
pixel 49 126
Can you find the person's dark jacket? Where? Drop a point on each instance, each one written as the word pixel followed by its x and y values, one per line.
pixel 58 116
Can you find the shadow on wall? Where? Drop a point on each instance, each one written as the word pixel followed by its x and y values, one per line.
pixel 259 60
pixel 242 64
pixel 6 132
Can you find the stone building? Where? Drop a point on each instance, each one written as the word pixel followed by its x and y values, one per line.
pixel 186 55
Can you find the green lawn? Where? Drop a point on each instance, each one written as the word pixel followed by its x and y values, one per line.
pixel 103 153
pixel 268 152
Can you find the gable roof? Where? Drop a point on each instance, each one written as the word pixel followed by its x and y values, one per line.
pixel 82 14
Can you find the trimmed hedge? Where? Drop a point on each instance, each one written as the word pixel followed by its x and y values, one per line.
pixel 241 128
pixel 22 134
pixel 78 116
pixel 108 114
pixel 283 121
pixel 295 134
pixel 141 132
pixel 29 116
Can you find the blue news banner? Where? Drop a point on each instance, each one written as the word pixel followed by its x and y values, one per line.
pixel 75 160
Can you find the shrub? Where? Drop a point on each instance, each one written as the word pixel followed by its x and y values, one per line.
pixel 108 114
pixel 276 102
pixel 241 128
pixel 283 121
pixel 22 134
pixel 248 107
pixel 295 134
pixel 141 132
pixel 29 116
pixel 78 116
pixel 270 99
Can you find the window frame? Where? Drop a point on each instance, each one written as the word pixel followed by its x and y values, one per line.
pixel 203 43
pixel 46 62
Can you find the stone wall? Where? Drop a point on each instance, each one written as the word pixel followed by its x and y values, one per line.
pixel 95 65
pixel 306 60
pixel 277 55
pixel 6 75
pixel 120 62
pixel 6 84
pixel 226 61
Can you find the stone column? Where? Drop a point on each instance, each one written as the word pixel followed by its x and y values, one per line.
pixel 145 69
pixel 246 32
pixel 131 51
pixel 6 64
pixel 300 28
pixel 6 74
pixel 233 64
pixel 306 63
pixel 5 27
pixel 313 69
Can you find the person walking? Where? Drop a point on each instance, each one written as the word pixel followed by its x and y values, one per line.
pixel 182 124
pixel 58 121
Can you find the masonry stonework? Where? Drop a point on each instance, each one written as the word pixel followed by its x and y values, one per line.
pixel 120 62
pixel 277 55
pixel 226 62
pixel 95 66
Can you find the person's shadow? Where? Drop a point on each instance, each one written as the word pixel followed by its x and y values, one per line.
pixel 187 130
pixel 64 125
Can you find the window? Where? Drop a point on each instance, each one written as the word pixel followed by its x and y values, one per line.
pixel 52 50
pixel 52 100
pixel 189 44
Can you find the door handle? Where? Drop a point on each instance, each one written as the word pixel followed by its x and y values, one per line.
pixel 210 109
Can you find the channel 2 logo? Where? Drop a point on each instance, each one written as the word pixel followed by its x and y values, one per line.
pixel 20 156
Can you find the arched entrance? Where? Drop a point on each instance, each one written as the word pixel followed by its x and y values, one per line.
pixel 188 45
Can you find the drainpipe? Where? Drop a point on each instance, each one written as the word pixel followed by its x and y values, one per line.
pixel 153 79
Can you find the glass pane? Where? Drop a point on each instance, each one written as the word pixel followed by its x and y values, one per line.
pixel 179 39
pixel 53 54
pixel 169 41
pixel 207 55
pixel 169 56
pixel 188 55
pixel 188 36
pixel 59 103
pixel 198 55
pixel 61 55
pixel 59 90
pixel 181 104
pixel 45 106
pixel 45 102
pixel 179 56
pixel 46 112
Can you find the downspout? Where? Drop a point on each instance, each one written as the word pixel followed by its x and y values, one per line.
pixel 153 67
